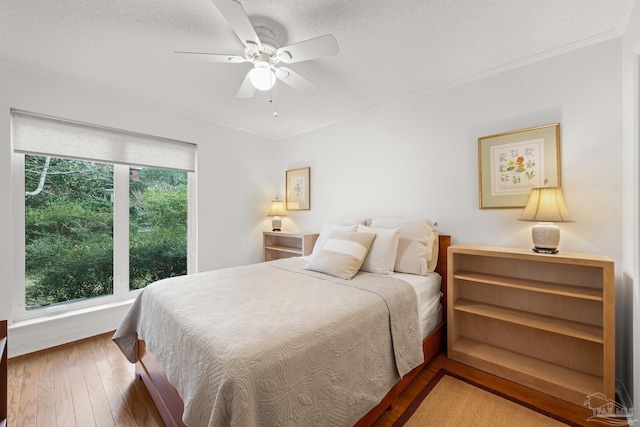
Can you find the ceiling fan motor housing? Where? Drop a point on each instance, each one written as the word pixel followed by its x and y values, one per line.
pixel 262 49
pixel 266 52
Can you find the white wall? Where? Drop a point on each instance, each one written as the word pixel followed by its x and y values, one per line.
pixel 631 196
pixel 419 156
pixel 236 181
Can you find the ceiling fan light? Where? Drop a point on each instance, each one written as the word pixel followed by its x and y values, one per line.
pixel 263 78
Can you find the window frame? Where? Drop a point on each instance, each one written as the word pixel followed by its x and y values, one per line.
pixel 121 291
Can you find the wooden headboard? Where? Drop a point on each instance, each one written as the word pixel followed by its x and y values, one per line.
pixel 441 267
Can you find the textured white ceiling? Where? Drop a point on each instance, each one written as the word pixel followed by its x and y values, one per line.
pixel 388 49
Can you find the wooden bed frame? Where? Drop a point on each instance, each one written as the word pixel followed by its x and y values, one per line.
pixel 171 407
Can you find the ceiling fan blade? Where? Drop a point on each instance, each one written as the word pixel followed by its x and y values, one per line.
pixel 214 57
pixel 234 13
pixel 296 81
pixel 247 89
pixel 308 49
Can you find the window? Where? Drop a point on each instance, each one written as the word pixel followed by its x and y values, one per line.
pixel 96 225
pixel 157 225
pixel 68 230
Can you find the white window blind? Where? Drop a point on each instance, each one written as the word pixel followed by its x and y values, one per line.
pixel 48 136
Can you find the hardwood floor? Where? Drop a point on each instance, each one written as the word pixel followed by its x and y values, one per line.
pixel 86 383
pixel 568 411
pixel 90 383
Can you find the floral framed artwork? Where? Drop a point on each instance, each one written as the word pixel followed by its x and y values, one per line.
pixel 298 189
pixel 510 164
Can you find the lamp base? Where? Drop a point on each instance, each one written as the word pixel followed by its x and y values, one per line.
pixel 546 237
pixel 276 223
pixel 545 251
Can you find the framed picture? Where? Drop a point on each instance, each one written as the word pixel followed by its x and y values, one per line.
pixel 298 189
pixel 511 164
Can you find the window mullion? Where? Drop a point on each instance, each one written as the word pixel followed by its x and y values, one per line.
pixel 18 235
pixel 121 231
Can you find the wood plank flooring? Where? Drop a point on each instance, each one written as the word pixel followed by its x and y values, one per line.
pixel 86 383
pixel 90 383
pixel 568 411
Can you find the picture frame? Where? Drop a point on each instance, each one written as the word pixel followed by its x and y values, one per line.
pixel 298 194
pixel 511 163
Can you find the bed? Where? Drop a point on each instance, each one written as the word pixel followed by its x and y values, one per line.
pixel 256 374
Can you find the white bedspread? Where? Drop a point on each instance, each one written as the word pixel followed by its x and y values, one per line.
pixel 273 344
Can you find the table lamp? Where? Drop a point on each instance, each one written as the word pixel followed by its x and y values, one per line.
pixel 546 206
pixel 277 210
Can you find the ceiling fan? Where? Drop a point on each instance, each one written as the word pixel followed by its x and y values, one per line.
pixel 265 54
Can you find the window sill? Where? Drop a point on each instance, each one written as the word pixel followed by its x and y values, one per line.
pixel 36 334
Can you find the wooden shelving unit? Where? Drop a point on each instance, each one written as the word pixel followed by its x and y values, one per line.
pixel 284 245
pixel 544 321
pixel 3 374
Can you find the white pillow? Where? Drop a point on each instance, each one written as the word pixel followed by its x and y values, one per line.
pixel 342 254
pixel 382 253
pixel 351 221
pixel 418 239
pixel 327 229
pixel 434 246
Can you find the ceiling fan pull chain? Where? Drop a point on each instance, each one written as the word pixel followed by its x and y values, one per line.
pixel 274 99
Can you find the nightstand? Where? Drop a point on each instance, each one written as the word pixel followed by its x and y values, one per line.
pixel 544 321
pixel 278 245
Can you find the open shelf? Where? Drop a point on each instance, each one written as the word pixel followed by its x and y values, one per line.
pixel 277 244
pixel 286 249
pixel 545 321
pixel 527 369
pixel 531 285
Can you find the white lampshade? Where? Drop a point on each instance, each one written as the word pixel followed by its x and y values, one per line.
pixel 262 77
pixel 277 210
pixel 546 205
